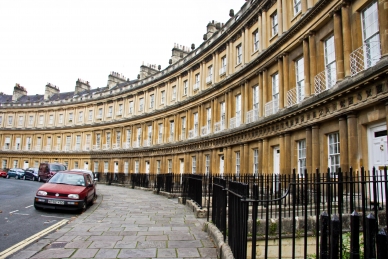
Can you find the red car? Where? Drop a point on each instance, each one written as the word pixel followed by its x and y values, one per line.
pixel 66 190
pixel 3 172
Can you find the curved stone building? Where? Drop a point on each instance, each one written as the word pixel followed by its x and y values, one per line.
pixel 282 84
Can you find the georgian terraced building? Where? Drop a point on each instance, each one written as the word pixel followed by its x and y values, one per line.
pixel 282 84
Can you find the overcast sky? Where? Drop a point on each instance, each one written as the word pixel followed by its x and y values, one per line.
pixel 59 41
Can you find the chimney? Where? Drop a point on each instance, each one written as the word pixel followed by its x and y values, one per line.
pixel 18 91
pixel 211 29
pixel 146 71
pixel 81 85
pixel 50 90
pixel 115 78
pixel 179 52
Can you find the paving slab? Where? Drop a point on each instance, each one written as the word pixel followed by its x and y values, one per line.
pixel 127 223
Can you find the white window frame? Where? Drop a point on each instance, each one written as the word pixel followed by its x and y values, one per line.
pixel 20 123
pixel 71 117
pixel 51 119
pixel 141 104
pixel 207 164
pixel 239 54
pixel 41 119
pixel 208 119
pixel 173 93
pixel 185 87
pixel 81 116
pixel 162 97
pixel 330 62
pixel 238 164
pixel 371 34
pixel 31 119
pixel 90 117
pixel 333 152
pixel 255 37
pixel 299 70
pixel 110 112
pixel 297 7
pixel 301 157
pixel 131 107
pixel 160 133
pixel 193 164
pixel 149 134
pixel 158 163
pixel 169 168
pixel 106 167
pixel 274 24
pixel 256 162
pixel 152 101
pixel 136 166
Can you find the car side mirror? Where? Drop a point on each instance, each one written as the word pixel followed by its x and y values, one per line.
pixel 90 185
pixel 96 179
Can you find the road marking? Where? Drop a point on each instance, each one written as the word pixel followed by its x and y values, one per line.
pixel 13 211
pixel 22 214
pixel 28 206
pixel 13 249
pixel 53 217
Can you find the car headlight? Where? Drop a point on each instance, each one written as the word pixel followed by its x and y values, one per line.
pixel 73 196
pixel 42 193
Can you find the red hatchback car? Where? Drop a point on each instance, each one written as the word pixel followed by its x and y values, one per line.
pixel 66 190
pixel 3 172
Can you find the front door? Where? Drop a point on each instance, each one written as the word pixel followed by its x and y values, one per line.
pixel 378 157
pixel 26 164
pixel 147 169
pixel 86 165
pixel 221 165
pixel 116 168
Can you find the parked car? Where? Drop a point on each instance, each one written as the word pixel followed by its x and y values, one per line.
pixel 66 190
pixel 31 173
pixel 3 172
pixel 47 170
pixel 15 172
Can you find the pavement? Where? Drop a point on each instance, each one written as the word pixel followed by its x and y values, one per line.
pixel 126 223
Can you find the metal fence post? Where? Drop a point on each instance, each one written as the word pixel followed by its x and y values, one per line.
pixel 370 238
pixel 334 237
pixel 355 236
pixel 324 254
pixel 382 244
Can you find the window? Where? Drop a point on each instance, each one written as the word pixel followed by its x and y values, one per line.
pixel 68 142
pixel 255 97
pixel 88 138
pixel 275 92
pixel 160 133
pixel 128 139
pixel 297 6
pixel 208 119
pixel 120 110
pixel 110 112
pixel 136 166
pixel 331 76
pixel 196 82
pixel 1 121
pixel 209 77
pixel 70 117
pixel 299 69
pixel 20 123
pixel 370 35
pixel 152 101
pixel 4 163
pixel 90 116
pixel 108 139
pixel 239 54
pixel 99 115
pixel 255 162
pixel 7 143
pixel 28 143
pixel 95 167
pixel 173 93
pixel 138 137
pixel 59 140
pixel 172 129
pixel 106 166
pixel 118 137
pixel 98 140
pixel 169 169
pixel 301 157
pixel 17 144
pixel 185 87
pixel 126 166
pixel 15 163
pixel 193 165
pixel 195 119
pixel 130 107
pixel 255 37
pixel 10 120
pixel 237 164
pixel 75 164
pixel 60 120
pixel 223 66
pixel 81 116
pixel 51 119
pixel 158 166
pixel 40 119
pixel 274 23
pixel 334 153
pixel 149 135
pixel 183 129
pixel 207 164
pixel 223 115
pixel 163 96
pixel 141 104
pixel 78 142
pixel 238 110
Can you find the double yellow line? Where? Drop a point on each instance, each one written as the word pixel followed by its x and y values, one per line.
pixel 13 249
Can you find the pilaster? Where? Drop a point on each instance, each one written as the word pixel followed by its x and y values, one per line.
pixel 281 87
pixel 346 32
pixel 312 60
pixel 306 59
pixel 383 23
pixel 338 42
pixel 315 148
pixel 343 139
pixel 309 149
pixel 352 141
pixel 265 156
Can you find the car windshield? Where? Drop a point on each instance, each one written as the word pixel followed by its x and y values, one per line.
pixel 70 179
pixel 57 167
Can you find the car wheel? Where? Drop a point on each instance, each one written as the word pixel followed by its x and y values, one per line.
pixel 7 176
pixel 17 177
pixel 33 179
pixel 93 199
pixel 36 207
pixel 39 180
pixel 24 178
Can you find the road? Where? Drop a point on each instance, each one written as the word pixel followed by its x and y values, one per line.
pixel 18 217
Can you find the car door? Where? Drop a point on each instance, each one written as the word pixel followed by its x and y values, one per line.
pixel 90 189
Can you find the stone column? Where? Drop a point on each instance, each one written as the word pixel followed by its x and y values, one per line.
pixel 261 106
pixel 246 46
pixel 285 15
pixel 245 102
pixel 352 142
pixel 343 139
pixel 227 162
pixel 285 78
pixel 304 6
pixel 310 3
pixel 346 32
pixel 265 156
pixel 287 153
pixel 280 17
pixel 201 75
pixel 260 31
pixel 229 64
pixel 282 165
pixel 315 148
pixel 306 59
pixel 265 85
pixel 338 42
pixel 313 60
pixel 215 67
pixel 383 23
pixel 246 160
pixel 229 108
pixel 281 88
pixel 264 29
pixel 309 151
pixel 260 155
